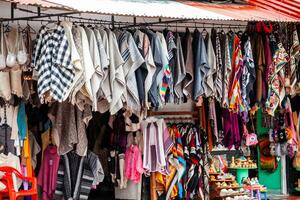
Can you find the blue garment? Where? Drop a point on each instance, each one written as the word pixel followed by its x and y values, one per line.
pixel 21 121
pixel 200 64
pixel 156 51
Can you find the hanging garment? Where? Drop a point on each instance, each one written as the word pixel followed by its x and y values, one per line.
pixel 248 75
pixel 145 73
pixel 16 82
pixel 46 140
pixel 11 40
pixel 231 130
pixel 106 90
pixel 132 61
pixel 95 56
pixel 156 50
pixel 75 57
pixel 200 64
pixel 104 63
pixel 178 159
pixel 179 72
pixel 116 74
pixel 133 167
pixel 34 149
pixel 189 64
pixel 168 84
pixel 276 91
pixel 89 69
pixel 294 62
pixel 69 127
pixel 213 118
pixel 26 156
pixel 164 76
pixel 234 93
pixel 48 172
pixel 157 145
pixel 209 88
pixel 260 62
pixel 15 131
pixel 52 60
pixel 5 88
pixel 226 73
pixel 29 46
pixel 6 143
pixel 77 175
pixel 78 92
pixel 218 79
pixel 22 121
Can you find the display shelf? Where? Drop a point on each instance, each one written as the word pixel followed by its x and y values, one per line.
pixel 214 173
pixel 233 195
pixel 242 168
pixel 241 173
pixel 223 180
pixel 228 187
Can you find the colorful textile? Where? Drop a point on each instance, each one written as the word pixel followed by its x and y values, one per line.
pixel 133 164
pixel 234 94
pixel 276 91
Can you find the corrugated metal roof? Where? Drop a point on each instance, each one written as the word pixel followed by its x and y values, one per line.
pixel 142 8
pixel 288 7
pixel 171 9
pixel 36 3
pixel 245 12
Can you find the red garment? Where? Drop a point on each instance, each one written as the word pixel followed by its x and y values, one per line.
pixel 133 164
pixel 48 172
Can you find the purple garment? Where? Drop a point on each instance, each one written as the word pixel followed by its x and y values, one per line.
pixel 48 172
pixel 231 129
pixel 269 60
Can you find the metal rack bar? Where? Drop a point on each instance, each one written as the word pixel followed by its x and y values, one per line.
pixel 160 23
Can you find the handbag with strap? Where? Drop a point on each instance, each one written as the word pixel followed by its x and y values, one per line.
pixel 251 138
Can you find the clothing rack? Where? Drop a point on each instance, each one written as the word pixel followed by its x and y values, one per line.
pixel 167 115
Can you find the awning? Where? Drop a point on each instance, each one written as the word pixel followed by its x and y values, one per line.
pixel 288 7
pixel 168 9
pixel 246 12
pixel 36 3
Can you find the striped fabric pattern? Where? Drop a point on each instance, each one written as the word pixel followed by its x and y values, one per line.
pixel 76 176
pixel 295 59
pixel 218 79
pixel 235 97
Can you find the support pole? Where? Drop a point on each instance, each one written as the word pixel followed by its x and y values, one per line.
pixel 12 10
pixel 113 21
pixel 134 21
pixel 39 11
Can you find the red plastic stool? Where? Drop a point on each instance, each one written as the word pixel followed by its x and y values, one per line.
pixel 10 192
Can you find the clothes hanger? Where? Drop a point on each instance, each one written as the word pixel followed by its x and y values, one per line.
pixel 19 27
pixel 29 29
pixel 204 31
pixel 7 27
pixel 222 30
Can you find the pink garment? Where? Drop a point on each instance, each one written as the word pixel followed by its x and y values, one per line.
pixel 48 172
pixel 133 164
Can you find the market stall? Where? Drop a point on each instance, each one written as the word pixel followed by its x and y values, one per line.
pixel 147 100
